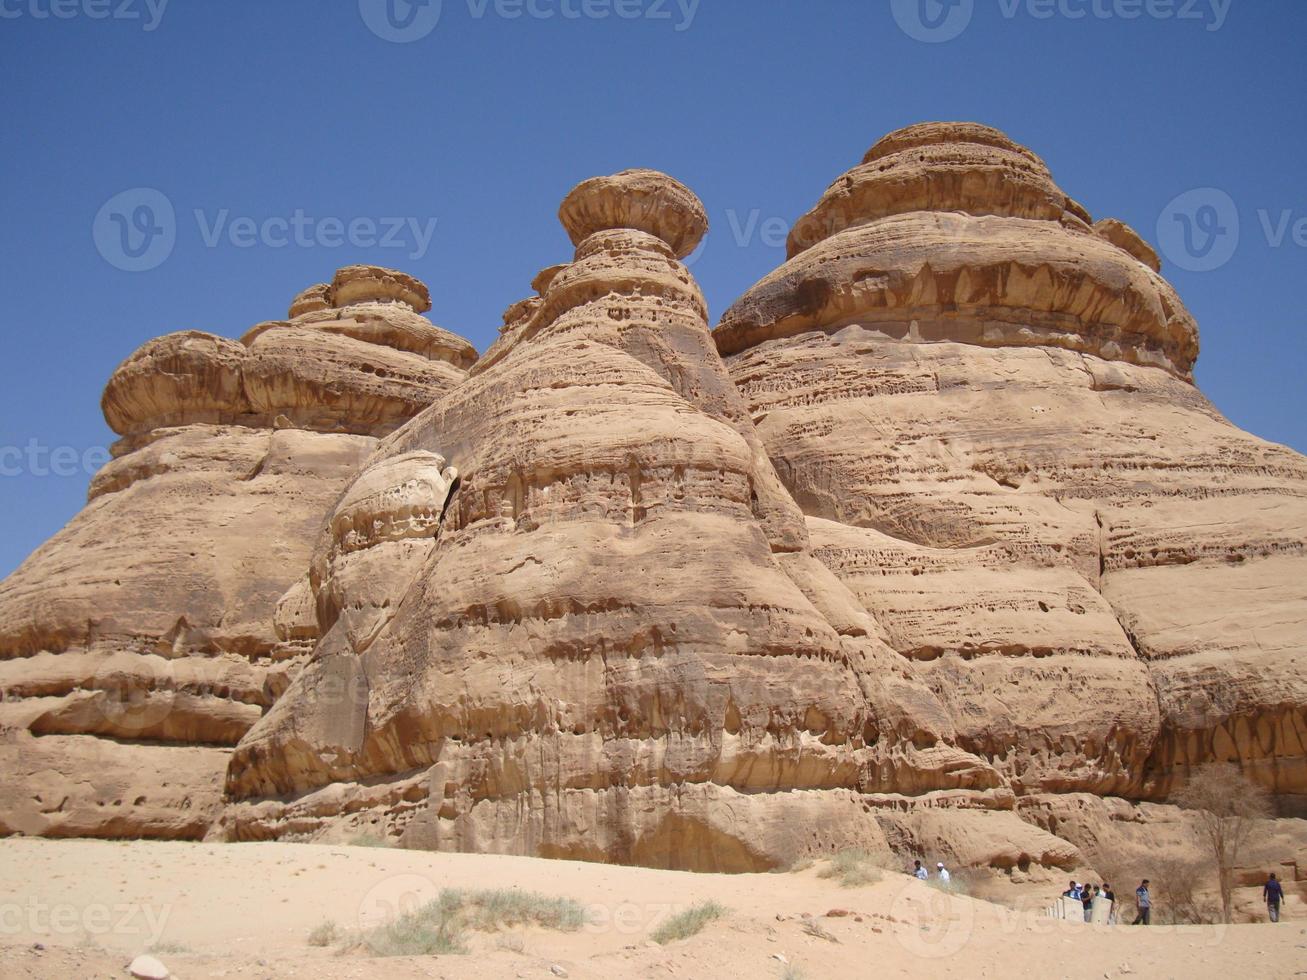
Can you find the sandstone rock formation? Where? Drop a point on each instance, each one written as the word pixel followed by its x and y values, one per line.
pixel 142 641
pixel 984 407
pixel 616 644
pixel 932 546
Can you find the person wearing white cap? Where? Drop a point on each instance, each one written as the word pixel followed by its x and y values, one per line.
pixel 942 873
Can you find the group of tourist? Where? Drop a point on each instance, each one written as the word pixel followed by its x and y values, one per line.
pixel 1087 895
pixel 941 872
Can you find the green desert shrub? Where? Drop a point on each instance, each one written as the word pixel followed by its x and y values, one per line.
pixel 685 924
pixel 852 867
pixel 325 933
pixel 440 926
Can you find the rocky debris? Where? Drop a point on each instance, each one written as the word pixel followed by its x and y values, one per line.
pixel 984 407
pixel 143 640
pixel 148 968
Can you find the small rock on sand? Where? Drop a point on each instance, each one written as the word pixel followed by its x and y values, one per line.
pixel 148 968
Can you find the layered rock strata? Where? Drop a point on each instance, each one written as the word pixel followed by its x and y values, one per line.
pixel 142 641
pixel 984 406
pixel 616 644
pixel 943 554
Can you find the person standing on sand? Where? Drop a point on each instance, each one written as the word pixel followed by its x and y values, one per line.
pixel 1273 894
pixel 1087 901
pixel 1110 896
pixel 942 873
pixel 919 872
pixel 1145 903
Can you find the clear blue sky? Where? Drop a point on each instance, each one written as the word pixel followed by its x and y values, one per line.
pixel 264 109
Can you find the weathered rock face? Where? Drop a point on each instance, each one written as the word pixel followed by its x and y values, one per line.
pixel 941 553
pixel 617 644
pixel 142 641
pixel 983 406
pixel 1117 838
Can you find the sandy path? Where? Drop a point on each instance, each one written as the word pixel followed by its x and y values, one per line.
pixel 245 910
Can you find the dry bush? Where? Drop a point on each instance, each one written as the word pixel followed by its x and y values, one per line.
pixel 853 867
pixel 1178 885
pixel 688 923
pixel 325 934
pixel 1228 807
pixel 439 926
pixel 966 882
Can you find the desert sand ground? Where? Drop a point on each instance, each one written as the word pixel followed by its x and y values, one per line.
pixel 83 909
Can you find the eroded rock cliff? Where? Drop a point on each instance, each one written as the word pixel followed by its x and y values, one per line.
pixel 984 406
pixel 142 641
pixel 616 644
pixel 932 545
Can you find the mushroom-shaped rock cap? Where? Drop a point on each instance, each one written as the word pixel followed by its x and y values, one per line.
pixel 311 300
pixel 177 379
pixel 645 200
pixel 936 133
pixel 373 284
pixel 938 167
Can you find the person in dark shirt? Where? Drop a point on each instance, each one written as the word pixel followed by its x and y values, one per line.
pixel 1110 896
pixel 1144 900
pixel 1273 893
pixel 1087 900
